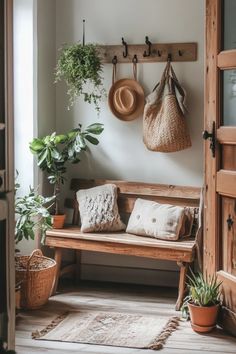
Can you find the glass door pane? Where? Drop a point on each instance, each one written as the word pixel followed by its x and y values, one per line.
pixel 229 28
pixel 229 97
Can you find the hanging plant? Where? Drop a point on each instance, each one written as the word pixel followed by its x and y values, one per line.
pixel 81 68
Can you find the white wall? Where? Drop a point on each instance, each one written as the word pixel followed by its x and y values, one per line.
pixel 24 97
pixel 34 88
pixel 121 153
pixel 46 88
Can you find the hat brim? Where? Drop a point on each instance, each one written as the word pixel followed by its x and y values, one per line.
pixel 140 99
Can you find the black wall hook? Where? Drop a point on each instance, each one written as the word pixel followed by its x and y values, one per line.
pixel 149 44
pixel 180 53
pixel 125 53
pixel 114 60
pixel 135 59
pixel 83 32
pixel 169 57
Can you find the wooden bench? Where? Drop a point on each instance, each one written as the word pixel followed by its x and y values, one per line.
pixel 182 251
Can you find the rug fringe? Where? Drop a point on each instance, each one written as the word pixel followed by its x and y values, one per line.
pixel 38 334
pixel 170 327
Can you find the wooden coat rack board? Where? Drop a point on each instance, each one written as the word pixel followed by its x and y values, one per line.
pixel 158 52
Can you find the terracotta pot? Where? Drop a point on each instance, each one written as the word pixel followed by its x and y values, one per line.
pixel 58 221
pixel 203 319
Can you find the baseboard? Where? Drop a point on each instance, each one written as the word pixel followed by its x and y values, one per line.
pixel 129 275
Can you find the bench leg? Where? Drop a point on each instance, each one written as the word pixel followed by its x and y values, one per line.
pixel 182 284
pixel 77 265
pixel 57 257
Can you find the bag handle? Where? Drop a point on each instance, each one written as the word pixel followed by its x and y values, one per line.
pixel 35 253
pixel 176 86
pixel 135 70
pixel 160 86
pixel 114 71
pixel 170 80
pixel 164 75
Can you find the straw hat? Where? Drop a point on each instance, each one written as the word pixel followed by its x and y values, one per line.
pixel 126 99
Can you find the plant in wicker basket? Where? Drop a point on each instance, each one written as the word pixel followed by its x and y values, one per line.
pixel 36 273
pixel 33 218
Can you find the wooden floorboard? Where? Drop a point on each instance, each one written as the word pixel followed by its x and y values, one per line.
pixel 110 297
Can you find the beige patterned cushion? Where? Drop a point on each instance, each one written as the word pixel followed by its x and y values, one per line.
pixel 162 221
pixel 187 225
pixel 98 209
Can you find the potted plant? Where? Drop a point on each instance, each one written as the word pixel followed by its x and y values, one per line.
pixel 80 66
pixel 32 217
pixel 202 301
pixel 55 151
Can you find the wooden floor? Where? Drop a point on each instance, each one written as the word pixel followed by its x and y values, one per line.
pixel 110 297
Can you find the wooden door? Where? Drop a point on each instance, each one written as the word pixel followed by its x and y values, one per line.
pixel 220 152
pixel 7 244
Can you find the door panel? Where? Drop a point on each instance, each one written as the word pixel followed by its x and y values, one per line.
pixel 228 235
pixel 226 135
pixel 226 60
pixel 220 170
pixel 229 157
pixel 226 182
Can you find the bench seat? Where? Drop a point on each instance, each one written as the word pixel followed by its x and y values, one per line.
pixel 182 251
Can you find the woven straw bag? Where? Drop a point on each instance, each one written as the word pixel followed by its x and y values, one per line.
pixel 36 274
pixel 164 125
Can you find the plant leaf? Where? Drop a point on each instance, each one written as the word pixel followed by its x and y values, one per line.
pixel 92 140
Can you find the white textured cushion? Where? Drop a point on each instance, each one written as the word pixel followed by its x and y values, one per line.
pixel 161 221
pixel 98 209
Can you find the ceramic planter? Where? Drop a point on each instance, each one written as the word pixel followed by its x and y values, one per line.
pixel 58 221
pixel 203 318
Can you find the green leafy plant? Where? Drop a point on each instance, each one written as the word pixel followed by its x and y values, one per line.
pixel 32 214
pixel 55 151
pixel 80 66
pixel 202 291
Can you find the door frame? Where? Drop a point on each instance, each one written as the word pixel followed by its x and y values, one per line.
pixel 9 176
pixel 217 182
pixel 211 114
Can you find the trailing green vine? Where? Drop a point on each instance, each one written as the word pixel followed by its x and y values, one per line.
pixel 81 68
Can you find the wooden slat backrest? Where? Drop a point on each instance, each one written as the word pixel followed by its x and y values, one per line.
pixel 128 192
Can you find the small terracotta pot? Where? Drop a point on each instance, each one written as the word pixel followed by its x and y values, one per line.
pixel 203 318
pixel 58 221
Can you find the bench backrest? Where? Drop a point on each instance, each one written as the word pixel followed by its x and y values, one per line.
pixel 128 192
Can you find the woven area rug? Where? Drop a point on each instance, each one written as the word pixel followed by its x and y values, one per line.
pixel 110 328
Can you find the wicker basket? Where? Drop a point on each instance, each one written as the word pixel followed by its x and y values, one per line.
pixel 37 274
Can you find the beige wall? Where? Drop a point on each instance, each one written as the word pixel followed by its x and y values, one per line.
pixel 121 153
